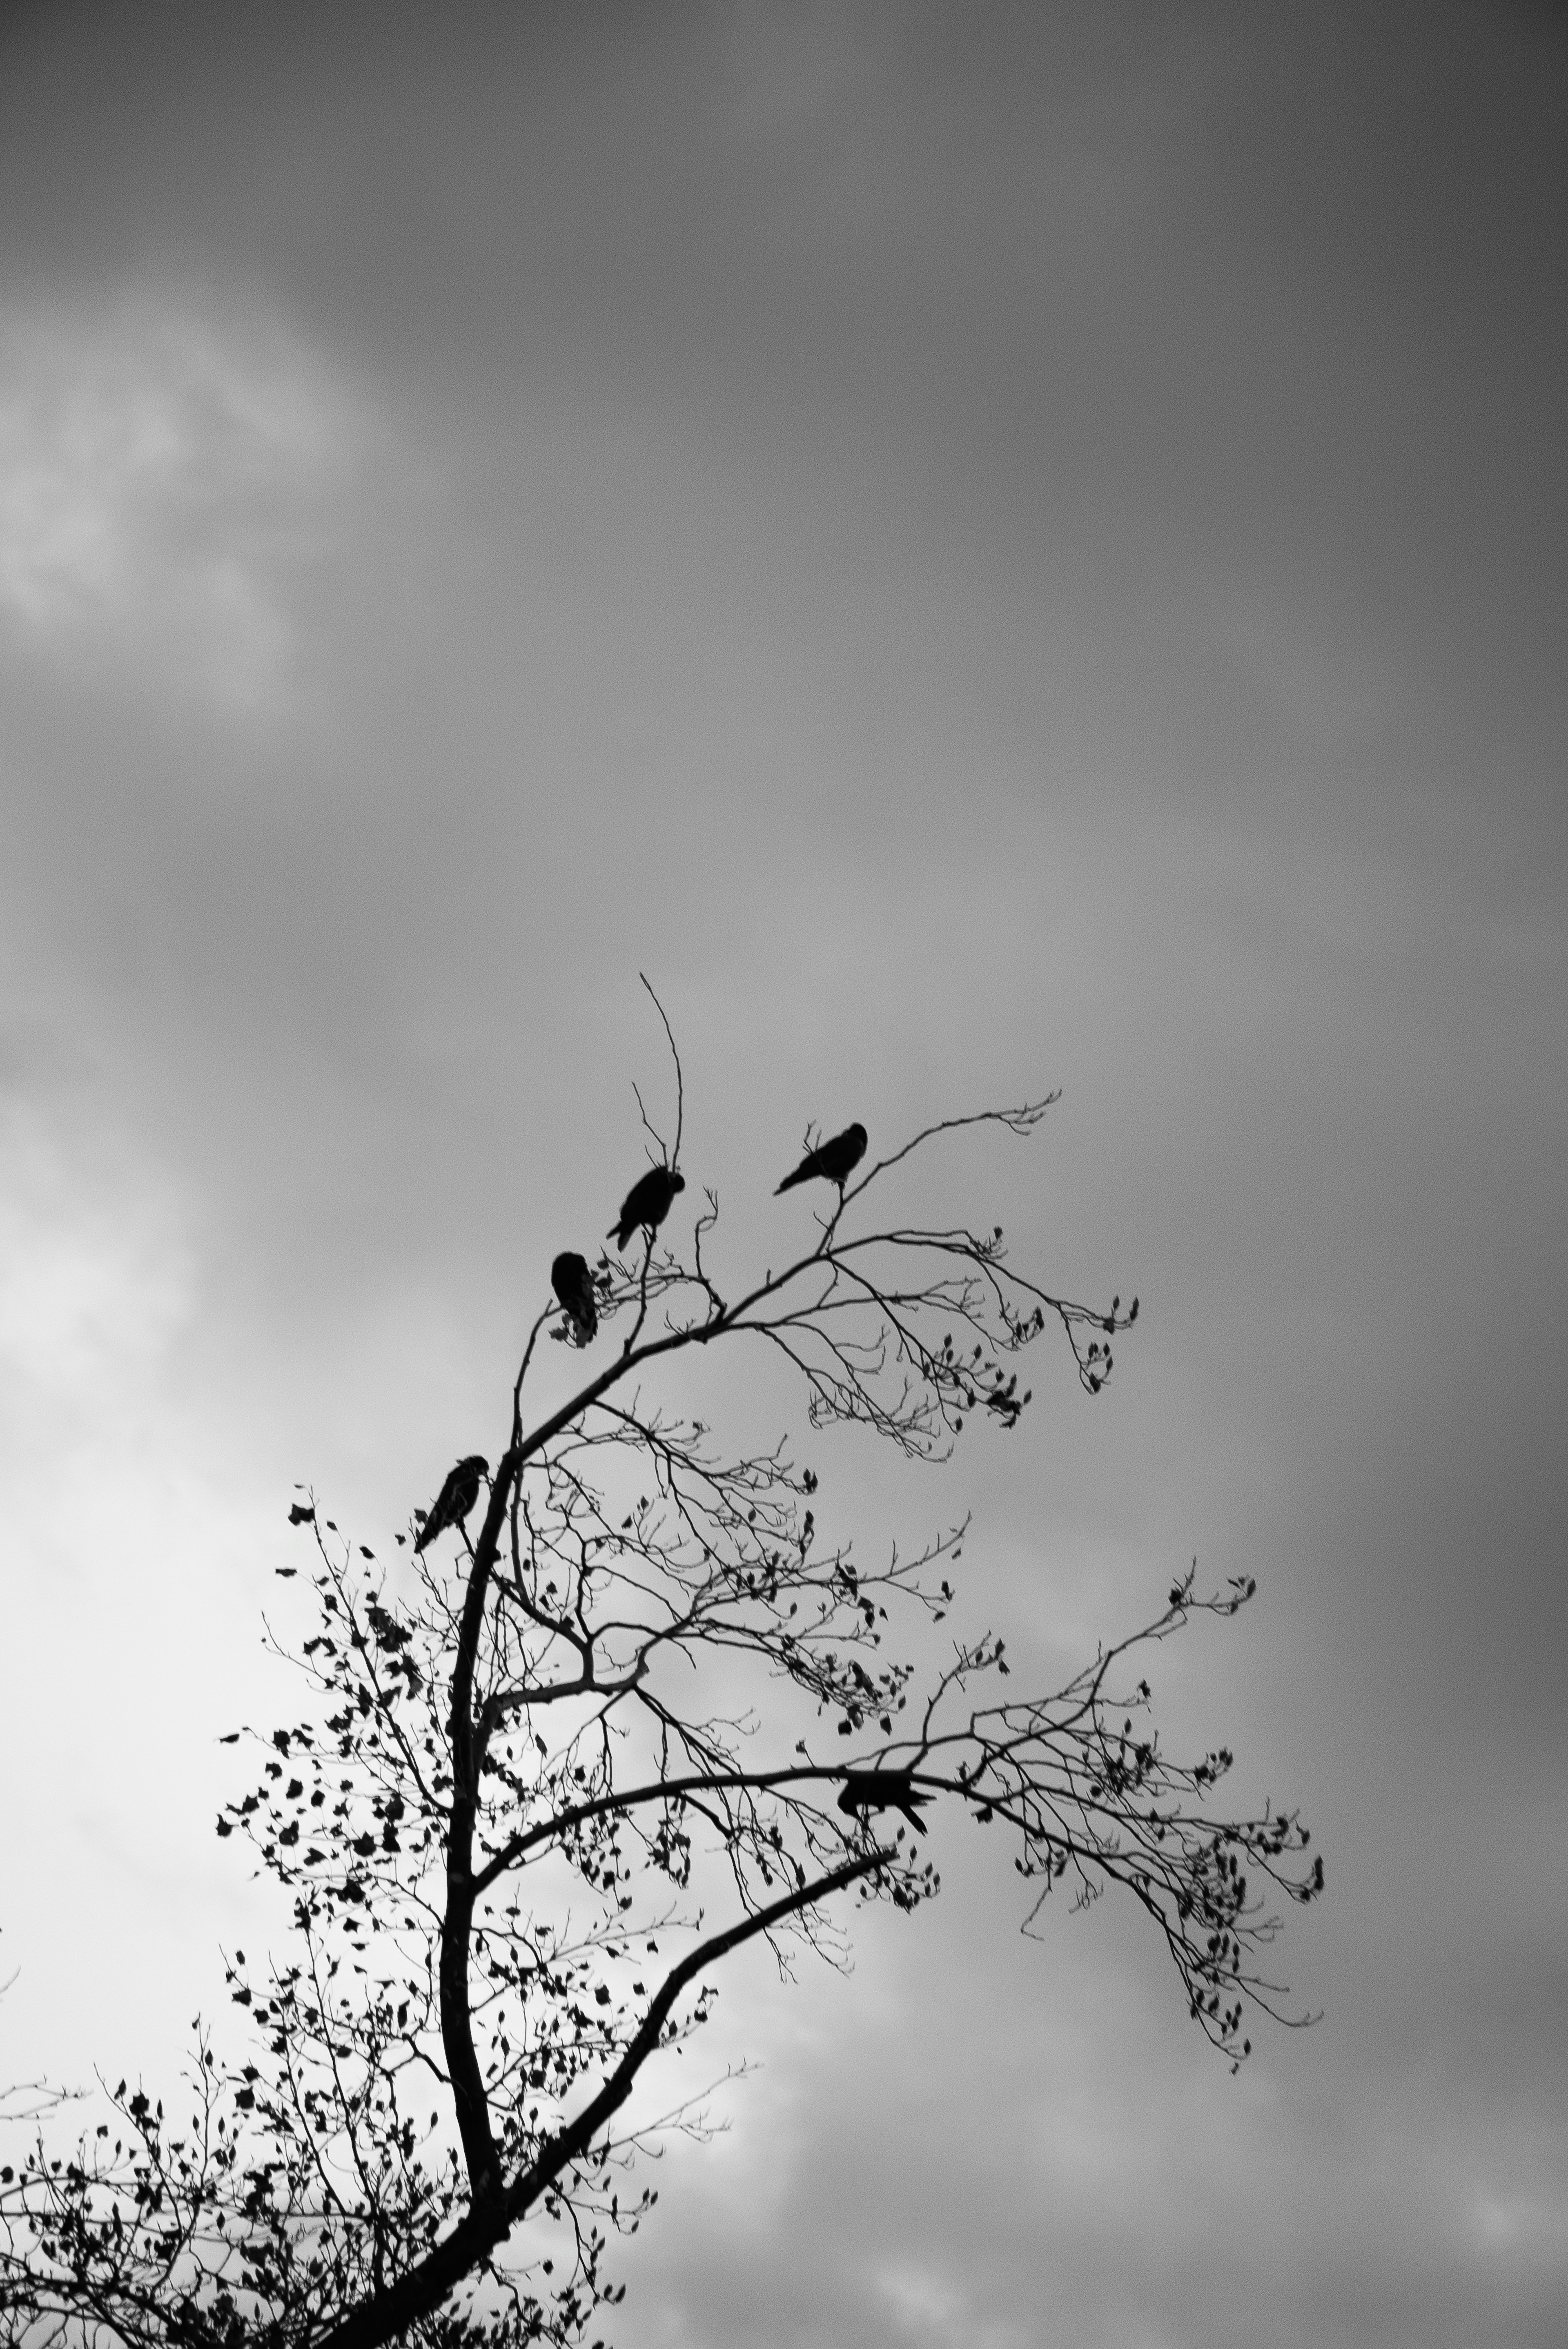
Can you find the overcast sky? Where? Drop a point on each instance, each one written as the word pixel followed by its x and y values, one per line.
pixel 985 548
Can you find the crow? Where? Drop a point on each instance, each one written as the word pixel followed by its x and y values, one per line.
pixel 647 1201
pixel 882 1790
pixel 835 1160
pixel 455 1499
pixel 569 1278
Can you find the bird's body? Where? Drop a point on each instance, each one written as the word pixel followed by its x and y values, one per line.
pixel 882 1790
pixel 647 1203
pixel 834 1161
pixel 455 1499
pixel 570 1278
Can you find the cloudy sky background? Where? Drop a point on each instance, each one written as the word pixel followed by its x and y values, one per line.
pixel 985 548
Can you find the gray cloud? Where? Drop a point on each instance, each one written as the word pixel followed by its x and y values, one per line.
pixel 157 468
pixel 983 550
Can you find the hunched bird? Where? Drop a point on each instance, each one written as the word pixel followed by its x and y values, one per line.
pixel 835 1161
pixel 647 1201
pixel 455 1499
pixel 568 1277
pixel 882 1790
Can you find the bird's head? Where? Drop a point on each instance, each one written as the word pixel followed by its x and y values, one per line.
pixel 677 1180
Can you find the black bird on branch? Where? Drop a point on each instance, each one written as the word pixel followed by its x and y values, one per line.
pixel 882 1790
pixel 646 1202
pixel 455 1499
pixel 570 1278
pixel 835 1161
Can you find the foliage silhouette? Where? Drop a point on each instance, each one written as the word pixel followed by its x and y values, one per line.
pixel 529 1808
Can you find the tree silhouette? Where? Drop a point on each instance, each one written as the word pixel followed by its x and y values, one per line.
pixel 541 1787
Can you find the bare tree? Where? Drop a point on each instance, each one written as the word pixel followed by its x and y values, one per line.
pixel 529 1808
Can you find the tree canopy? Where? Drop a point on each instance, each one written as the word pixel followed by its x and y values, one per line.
pixel 628 1709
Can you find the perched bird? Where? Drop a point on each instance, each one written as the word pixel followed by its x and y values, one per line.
pixel 835 1161
pixel 882 1790
pixel 570 1279
pixel 647 1201
pixel 455 1499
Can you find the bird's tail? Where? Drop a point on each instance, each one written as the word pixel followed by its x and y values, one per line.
pixel 790 1180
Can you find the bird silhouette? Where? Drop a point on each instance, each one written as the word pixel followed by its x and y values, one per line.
pixel 882 1790
pixel 455 1499
pixel 835 1161
pixel 570 1279
pixel 647 1201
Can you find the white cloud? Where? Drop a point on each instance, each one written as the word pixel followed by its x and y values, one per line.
pixel 159 471
pixel 94 1276
pixel 128 1578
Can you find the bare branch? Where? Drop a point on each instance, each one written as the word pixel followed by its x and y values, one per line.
pixel 674 1157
